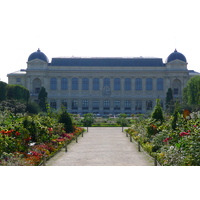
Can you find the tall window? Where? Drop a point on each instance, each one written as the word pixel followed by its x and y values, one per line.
pixel 138 105
pixel 138 84
pixel 75 104
pixel 85 84
pixel 106 82
pixel 127 85
pixel 64 83
pixel 149 84
pixel 64 103
pixel 127 105
pixel 53 104
pixel 116 105
pixel 95 83
pixel 160 84
pixel 74 83
pixel 149 105
pixel 106 105
pixel 117 84
pixel 85 104
pixel 53 83
pixel 95 105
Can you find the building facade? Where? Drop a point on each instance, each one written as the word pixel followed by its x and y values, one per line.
pixel 103 85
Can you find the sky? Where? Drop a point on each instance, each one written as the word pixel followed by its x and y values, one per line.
pixel 93 28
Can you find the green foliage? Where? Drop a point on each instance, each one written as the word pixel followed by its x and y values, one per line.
pixel 169 101
pixel 12 105
pixel 65 118
pixel 192 91
pixel 3 86
pixel 42 97
pixel 122 120
pixel 88 120
pixel 157 113
pixel 32 108
pixel 17 92
pixel 175 117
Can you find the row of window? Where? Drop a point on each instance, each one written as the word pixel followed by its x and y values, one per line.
pixel 106 82
pixel 106 105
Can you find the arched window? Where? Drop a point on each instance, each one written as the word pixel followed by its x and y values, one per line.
pixel 95 83
pixel 176 85
pixel 127 85
pixel 138 84
pixel 160 84
pixel 106 82
pixel 149 84
pixel 53 83
pixel 117 84
pixel 74 83
pixel 36 85
pixel 85 84
pixel 64 83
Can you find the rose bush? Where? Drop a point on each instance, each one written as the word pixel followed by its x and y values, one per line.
pixel 179 146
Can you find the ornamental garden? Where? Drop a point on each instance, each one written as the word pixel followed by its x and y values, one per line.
pixel 31 132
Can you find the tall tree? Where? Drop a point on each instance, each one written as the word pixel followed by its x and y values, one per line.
pixel 169 101
pixel 191 93
pixel 157 113
pixel 42 98
pixel 2 90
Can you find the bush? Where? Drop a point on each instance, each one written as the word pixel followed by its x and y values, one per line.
pixel 65 118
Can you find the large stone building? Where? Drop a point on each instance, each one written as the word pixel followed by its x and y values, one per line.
pixel 103 85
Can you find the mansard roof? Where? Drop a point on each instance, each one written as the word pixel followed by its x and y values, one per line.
pixel 108 62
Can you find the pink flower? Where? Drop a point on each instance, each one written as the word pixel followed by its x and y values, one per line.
pixel 183 134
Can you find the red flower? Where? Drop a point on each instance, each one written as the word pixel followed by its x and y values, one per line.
pixel 183 134
pixel 50 129
pixel 17 133
pixel 167 139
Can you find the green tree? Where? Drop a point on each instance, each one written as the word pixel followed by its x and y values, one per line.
pixel 157 113
pixel 17 92
pixel 191 93
pixel 42 98
pixel 2 90
pixel 169 101
pixel 88 120
pixel 122 120
pixel 65 118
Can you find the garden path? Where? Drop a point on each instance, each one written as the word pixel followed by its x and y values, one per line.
pixel 102 146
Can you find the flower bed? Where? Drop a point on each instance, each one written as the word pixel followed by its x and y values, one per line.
pixel 179 146
pixel 26 140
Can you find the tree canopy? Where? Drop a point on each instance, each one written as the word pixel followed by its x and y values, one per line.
pixel 191 92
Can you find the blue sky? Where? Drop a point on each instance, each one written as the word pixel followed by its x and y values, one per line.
pixel 91 28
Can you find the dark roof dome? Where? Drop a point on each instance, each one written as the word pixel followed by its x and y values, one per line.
pixel 176 56
pixel 38 55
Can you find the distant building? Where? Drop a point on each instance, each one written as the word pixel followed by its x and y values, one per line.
pixel 104 85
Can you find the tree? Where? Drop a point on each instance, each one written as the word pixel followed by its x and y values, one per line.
pixel 65 118
pixel 88 120
pixel 169 101
pixel 2 90
pixel 122 120
pixel 157 113
pixel 17 92
pixel 191 92
pixel 42 97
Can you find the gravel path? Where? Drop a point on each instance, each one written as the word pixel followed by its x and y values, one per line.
pixel 102 146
